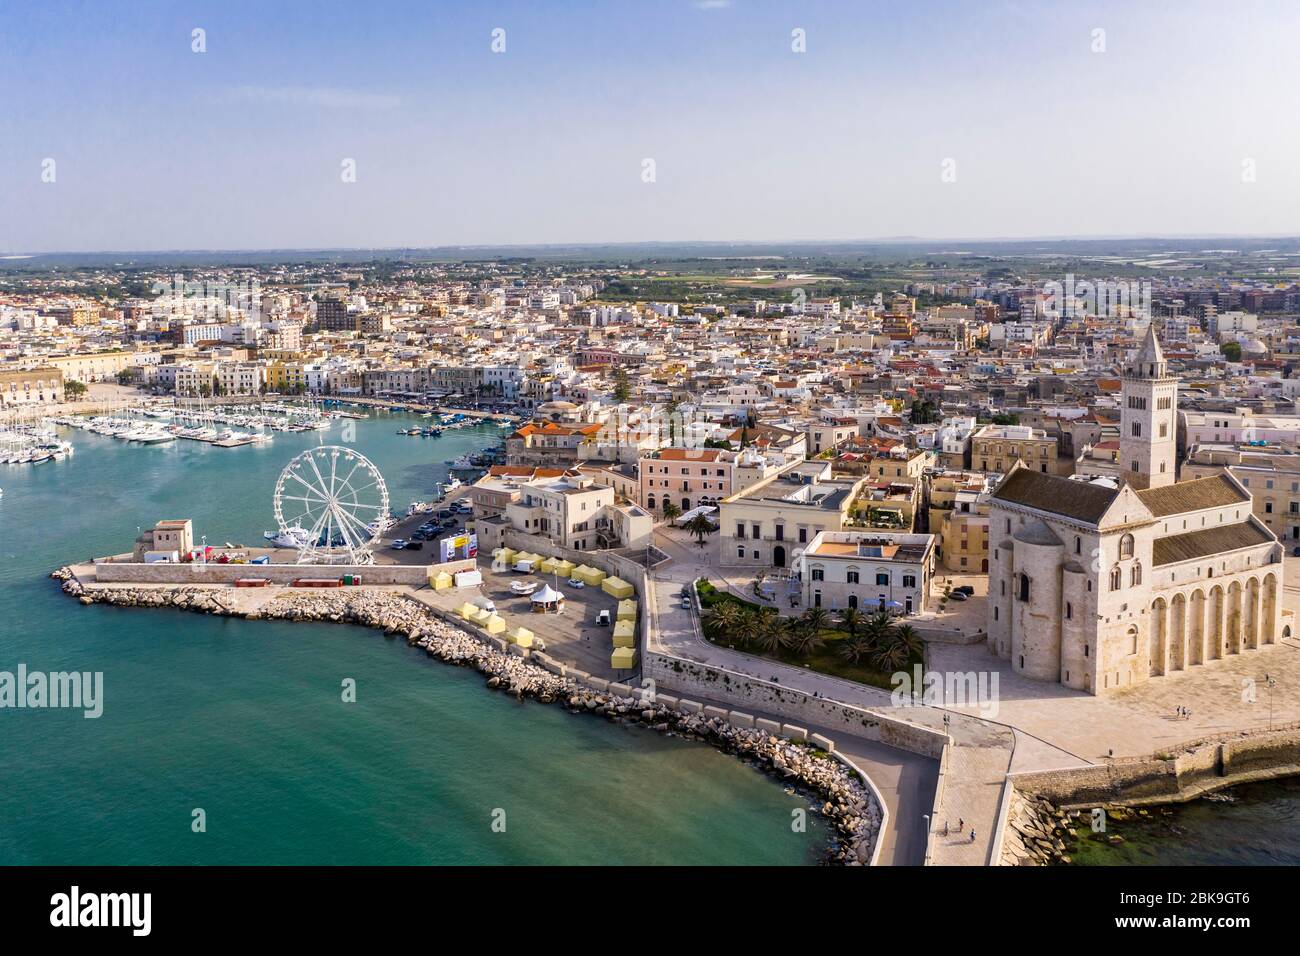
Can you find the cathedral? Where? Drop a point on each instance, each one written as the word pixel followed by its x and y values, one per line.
pixel 1101 584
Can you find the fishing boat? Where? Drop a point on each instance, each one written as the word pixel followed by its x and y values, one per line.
pixel 295 537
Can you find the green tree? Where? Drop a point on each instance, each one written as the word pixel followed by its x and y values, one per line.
pixel 73 389
pixel 622 387
pixel 700 526
pixel 900 647
pixel 671 511
pixel 769 630
pixel 1231 351
pixel 851 620
pixel 723 620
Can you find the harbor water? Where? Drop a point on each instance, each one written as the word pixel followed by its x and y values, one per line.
pixel 245 721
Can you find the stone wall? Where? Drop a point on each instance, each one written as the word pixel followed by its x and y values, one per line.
pixel 716 683
pixel 163 572
pixel 1171 777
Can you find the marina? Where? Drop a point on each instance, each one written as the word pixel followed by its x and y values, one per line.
pixel 233 709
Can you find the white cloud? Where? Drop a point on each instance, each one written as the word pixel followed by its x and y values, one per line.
pixel 712 4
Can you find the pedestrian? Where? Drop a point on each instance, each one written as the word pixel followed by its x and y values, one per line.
pixel 972 834
pixel 945 827
pixel 961 824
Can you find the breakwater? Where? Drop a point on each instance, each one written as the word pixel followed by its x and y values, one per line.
pixel 847 803
pixel 1048 808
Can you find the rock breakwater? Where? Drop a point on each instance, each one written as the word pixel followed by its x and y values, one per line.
pixel 847 803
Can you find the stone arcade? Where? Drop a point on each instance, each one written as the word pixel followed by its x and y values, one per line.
pixel 1103 584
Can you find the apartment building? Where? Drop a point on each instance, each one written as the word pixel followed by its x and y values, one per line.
pixel 1272 475
pixel 766 525
pixel 573 511
pixel 35 386
pixel 959 520
pixel 996 447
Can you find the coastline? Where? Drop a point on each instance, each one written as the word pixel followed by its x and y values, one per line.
pixel 847 802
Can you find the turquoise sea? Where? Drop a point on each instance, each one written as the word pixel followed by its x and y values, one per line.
pixel 245 720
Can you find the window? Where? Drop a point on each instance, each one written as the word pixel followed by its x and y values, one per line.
pixel 1114 578
pixel 1137 429
pixel 780 532
pixel 1069 611
pixel 740 528
pixel 909 580
pixel 882 578
pixel 803 535
pixel 740 552
pixel 1022 587
pixel 818 574
pixel 1126 547
pixel 1078 545
pixel 1135 575
pixel 852 577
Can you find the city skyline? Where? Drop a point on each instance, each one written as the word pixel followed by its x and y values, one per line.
pixel 1052 129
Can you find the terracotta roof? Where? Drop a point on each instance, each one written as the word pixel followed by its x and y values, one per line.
pixel 1214 491
pixel 1061 496
pixel 1200 544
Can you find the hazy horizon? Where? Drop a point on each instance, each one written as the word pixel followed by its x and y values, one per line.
pixel 926 123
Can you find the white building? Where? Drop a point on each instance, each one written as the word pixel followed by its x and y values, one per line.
pixel 868 570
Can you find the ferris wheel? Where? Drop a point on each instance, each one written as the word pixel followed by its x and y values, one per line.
pixel 331 503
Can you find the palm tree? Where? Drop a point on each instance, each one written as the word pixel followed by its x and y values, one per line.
pixel 671 511
pixel 850 620
pixel 816 619
pixel 805 639
pixel 700 526
pixel 769 631
pixel 723 619
pixel 878 628
pixel 898 649
pixel 855 650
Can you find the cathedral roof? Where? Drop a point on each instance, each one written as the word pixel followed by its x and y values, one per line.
pixel 1080 500
pixel 1035 532
pixel 1211 541
pixel 1214 491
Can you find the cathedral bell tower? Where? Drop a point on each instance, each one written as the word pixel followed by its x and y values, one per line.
pixel 1148 423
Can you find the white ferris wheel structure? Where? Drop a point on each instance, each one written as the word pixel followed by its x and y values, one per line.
pixel 333 502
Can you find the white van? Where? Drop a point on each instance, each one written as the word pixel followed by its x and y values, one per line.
pixel 524 567
pixel 602 619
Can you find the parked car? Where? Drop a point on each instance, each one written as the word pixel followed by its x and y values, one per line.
pixel 602 619
pixel 958 596
pixel 399 544
pixel 575 583
pixel 965 589
pixel 415 546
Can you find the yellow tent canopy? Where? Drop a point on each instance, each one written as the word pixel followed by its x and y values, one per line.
pixel 521 636
pixel 623 658
pixel 588 575
pixel 564 567
pixel 466 610
pixel 441 581
pixel 626 611
pixel 617 588
pixel 494 624
pixel 625 634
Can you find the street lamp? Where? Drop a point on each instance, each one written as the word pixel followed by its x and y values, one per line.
pixel 1270 683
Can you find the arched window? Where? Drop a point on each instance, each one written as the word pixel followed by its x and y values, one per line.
pixel 1126 547
pixel 1022 587
pixel 1114 578
pixel 1135 576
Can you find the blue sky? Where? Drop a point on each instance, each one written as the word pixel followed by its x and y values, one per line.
pixel 158 147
